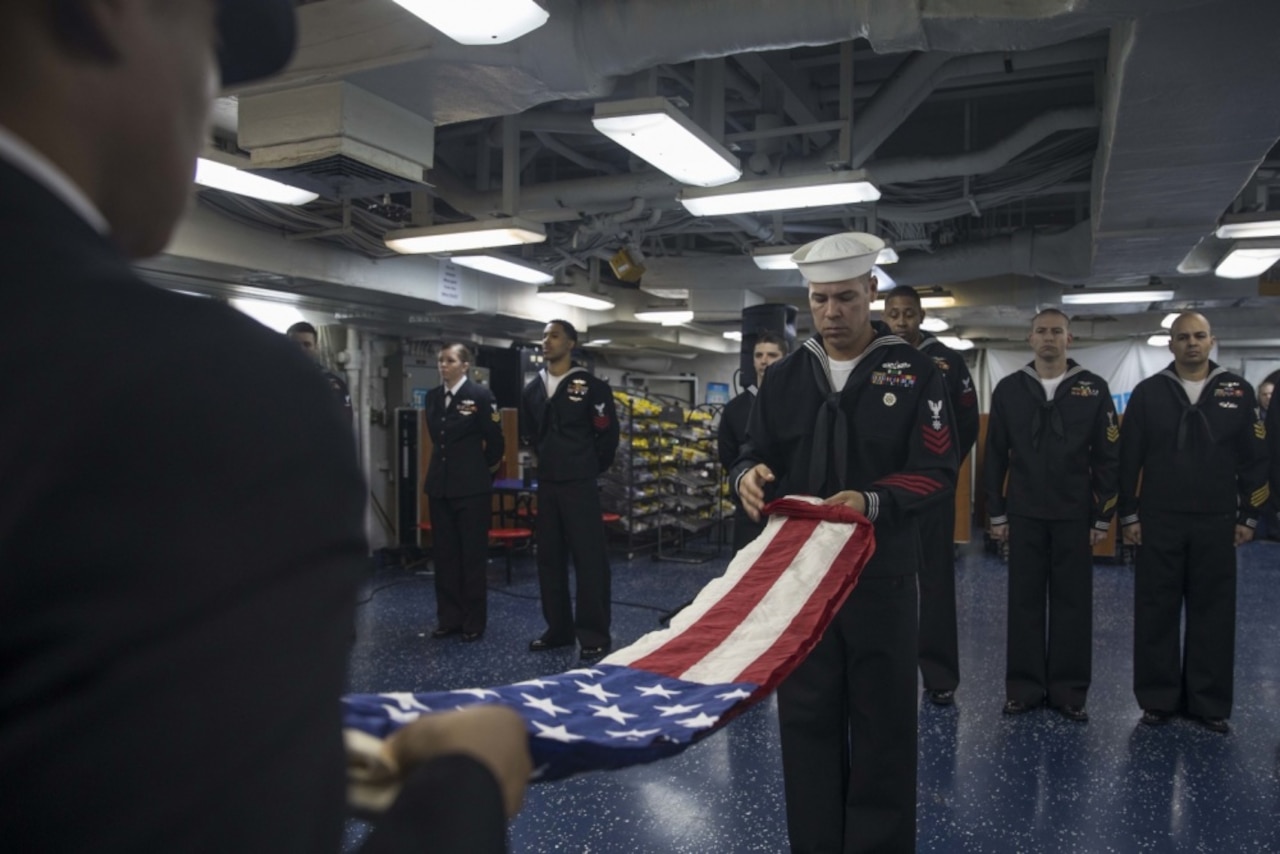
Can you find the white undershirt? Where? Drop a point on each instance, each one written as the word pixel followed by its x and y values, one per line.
pixel 841 370
pixel 1193 389
pixel 1051 386
pixel 552 383
pixel 454 391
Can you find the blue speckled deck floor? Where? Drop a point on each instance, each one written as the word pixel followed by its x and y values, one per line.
pixel 988 783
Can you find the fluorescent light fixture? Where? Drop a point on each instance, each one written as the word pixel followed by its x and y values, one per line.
pixel 221 176
pixel 576 298
pixel 665 316
pixel 1244 226
pixel 1169 318
pixel 507 268
pixel 773 194
pixel 464 236
pixel 925 303
pixel 1115 297
pixel 779 257
pixel 956 343
pixel 1159 340
pixel 598 342
pixel 479 21
pixel 1247 259
pixel 733 335
pixel 934 324
pixel 273 315
pixel 656 131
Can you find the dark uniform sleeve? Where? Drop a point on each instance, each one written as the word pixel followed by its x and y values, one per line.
pixel 1104 461
pixel 1272 428
pixel 995 468
pixel 491 426
pixel 451 803
pixel 528 430
pixel 756 444
pixel 1252 466
pixel 1133 452
pixel 932 458
pixel 728 442
pixel 604 421
pixel 964 400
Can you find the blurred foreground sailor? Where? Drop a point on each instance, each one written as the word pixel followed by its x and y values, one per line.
pixel 859 417
pixel 179 554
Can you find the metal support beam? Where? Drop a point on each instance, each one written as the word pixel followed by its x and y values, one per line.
pixel 510 165
pixel 844 149
pixel 708 96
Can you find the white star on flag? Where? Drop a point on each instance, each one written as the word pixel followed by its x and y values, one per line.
pixel 614 713
pixel 401 717
pixel 734 695
pixel 596 691
pixel 546 704
pixel 557 733
pixel 733 645
pixel 406 701
pixel 633 734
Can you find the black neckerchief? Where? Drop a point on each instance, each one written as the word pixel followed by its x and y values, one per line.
pixel 1047 418
pixel 1192 413
pixel 831 426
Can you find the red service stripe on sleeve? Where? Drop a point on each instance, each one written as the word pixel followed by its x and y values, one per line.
pixel 918 484
pixel 600 421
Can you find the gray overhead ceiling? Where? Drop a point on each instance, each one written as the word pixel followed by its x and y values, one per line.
pixel 1020 148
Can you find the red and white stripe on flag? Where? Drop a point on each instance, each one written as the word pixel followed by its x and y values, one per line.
pixel 730 647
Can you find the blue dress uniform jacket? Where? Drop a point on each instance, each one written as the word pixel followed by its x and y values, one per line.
pixel 466 441
pixel 1060 455
pixel 732 436
pixel 960 390
pixel 575 432
pixel 888 434
pixel 847 715
pixel 1207 457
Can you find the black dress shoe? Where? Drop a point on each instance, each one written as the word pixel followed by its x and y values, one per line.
pixel 543 644
pixel 1154 717
pixel 941 696
pixel 1218 725
pixel 444 632
pixel 1074 713
pixel 471 637
pixel 594 653
pixel 1017 707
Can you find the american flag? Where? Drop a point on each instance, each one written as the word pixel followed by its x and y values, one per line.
pixel 728 649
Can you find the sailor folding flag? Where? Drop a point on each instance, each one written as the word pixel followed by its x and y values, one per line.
pixel 726 650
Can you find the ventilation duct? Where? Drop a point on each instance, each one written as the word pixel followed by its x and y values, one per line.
pixel 337 140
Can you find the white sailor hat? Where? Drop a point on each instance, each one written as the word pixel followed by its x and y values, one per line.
pixel 838 257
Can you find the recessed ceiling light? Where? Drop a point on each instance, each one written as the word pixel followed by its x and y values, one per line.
pixel 772 194
pixel 1159 340
pixel 956 343
pixel 934 324
pixel 576 298
pixel 221 176
pixel 665 316
pixel 479 21
pixel 1249 258
pixel 1247 225
pixel 507 268
pixel 1167 322
pixel 925 302
pixel 733 335
pixel 656 131
pixel 464 236
pixel 1102 297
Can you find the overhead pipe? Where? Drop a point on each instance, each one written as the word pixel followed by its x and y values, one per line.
pixel 905 169
pixel 1063 257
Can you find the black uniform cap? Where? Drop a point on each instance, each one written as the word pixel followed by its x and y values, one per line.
pixel 257 38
